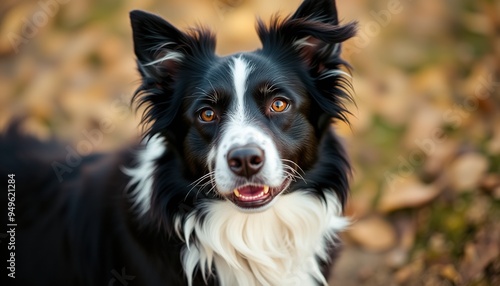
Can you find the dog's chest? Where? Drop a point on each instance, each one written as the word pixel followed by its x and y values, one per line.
pixel 281 246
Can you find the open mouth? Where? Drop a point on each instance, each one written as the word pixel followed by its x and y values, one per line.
pixel 255 196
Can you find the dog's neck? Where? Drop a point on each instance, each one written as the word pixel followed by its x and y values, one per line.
pixel 280 246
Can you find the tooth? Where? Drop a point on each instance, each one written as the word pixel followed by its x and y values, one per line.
pixel 266 189
pixel 236 193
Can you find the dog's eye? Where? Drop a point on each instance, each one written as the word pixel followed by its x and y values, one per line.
pixel 279 105
pixel 207 115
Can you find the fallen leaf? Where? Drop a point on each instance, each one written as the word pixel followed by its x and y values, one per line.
pixel 410 271
pixel 406 229
pixel 449 272
pixel 406 193
pixel 490 182
pixel 439 155
pixel 466 171
pixel 423 127
pixel 404 274
pixel 373 233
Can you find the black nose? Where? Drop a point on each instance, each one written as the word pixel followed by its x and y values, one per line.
pixel 245 161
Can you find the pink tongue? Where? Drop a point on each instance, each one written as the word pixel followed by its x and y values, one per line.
pixel 249 191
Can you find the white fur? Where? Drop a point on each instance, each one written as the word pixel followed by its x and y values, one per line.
pixel 279 246
pixel 303 42
pixel 142 174
pixel 240 70
pixel 329 73
pixel 169 54
pixel 335 49
pixel 174 56
pixel 240 130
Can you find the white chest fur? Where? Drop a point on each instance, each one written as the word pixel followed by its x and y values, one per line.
pixel 280 246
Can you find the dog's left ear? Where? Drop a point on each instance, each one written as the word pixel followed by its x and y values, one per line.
pixel 314 49
pixel 314 34
pixel 318 10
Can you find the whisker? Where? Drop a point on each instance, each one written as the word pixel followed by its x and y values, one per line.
pixel 200 179
pixel 199 183
pixel 295 164
pixel 291 176
pixel 292 172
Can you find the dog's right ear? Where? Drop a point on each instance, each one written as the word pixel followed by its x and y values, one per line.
pixel 161 51
pixel 160 47
pixel 157 45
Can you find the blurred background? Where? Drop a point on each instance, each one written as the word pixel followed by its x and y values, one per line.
pixel 424 137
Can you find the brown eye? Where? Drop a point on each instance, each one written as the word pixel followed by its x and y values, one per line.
pixel 207 115
pixel 279 105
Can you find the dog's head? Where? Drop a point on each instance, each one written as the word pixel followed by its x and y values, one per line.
pixel 251 126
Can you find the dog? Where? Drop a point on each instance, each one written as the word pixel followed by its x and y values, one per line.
pixel 240 179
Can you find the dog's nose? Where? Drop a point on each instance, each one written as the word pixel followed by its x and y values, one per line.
pixel 245 161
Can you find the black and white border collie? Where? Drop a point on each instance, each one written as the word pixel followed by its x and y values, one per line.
pixel 240 180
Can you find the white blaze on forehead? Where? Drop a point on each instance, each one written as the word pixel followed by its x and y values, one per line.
pixel 239 129
pixel 240 71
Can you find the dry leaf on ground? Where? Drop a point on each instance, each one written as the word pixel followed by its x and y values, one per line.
pixel 374 233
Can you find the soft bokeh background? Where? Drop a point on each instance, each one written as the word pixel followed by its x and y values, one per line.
pixel 424 137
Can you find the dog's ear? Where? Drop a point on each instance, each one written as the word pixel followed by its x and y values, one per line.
pixel 318 10
pixel 314 50
pixel 161 51
pixel 314 34
pixel 160 47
